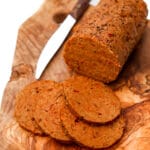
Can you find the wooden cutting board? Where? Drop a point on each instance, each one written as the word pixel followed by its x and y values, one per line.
pixel 132 86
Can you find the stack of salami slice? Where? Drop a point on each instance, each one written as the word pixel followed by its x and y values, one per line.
pixel 79 110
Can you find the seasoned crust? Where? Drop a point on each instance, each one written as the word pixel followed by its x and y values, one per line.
pixel 91 100
pixel 91 135
pixel 47 113
pixel 25 105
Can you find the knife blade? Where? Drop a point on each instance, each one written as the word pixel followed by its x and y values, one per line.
pixel 57 39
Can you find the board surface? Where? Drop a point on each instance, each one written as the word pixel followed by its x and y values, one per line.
pixel 132 85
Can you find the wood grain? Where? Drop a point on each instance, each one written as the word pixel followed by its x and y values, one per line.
pixel 132 86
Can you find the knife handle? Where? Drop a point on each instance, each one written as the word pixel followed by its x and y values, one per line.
pixel 79 8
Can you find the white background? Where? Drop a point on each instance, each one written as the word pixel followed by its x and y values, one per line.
pixel 12 14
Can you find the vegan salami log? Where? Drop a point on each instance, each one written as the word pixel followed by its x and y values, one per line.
pixel 101 42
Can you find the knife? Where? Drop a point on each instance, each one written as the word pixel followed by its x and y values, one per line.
pixel 57 39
